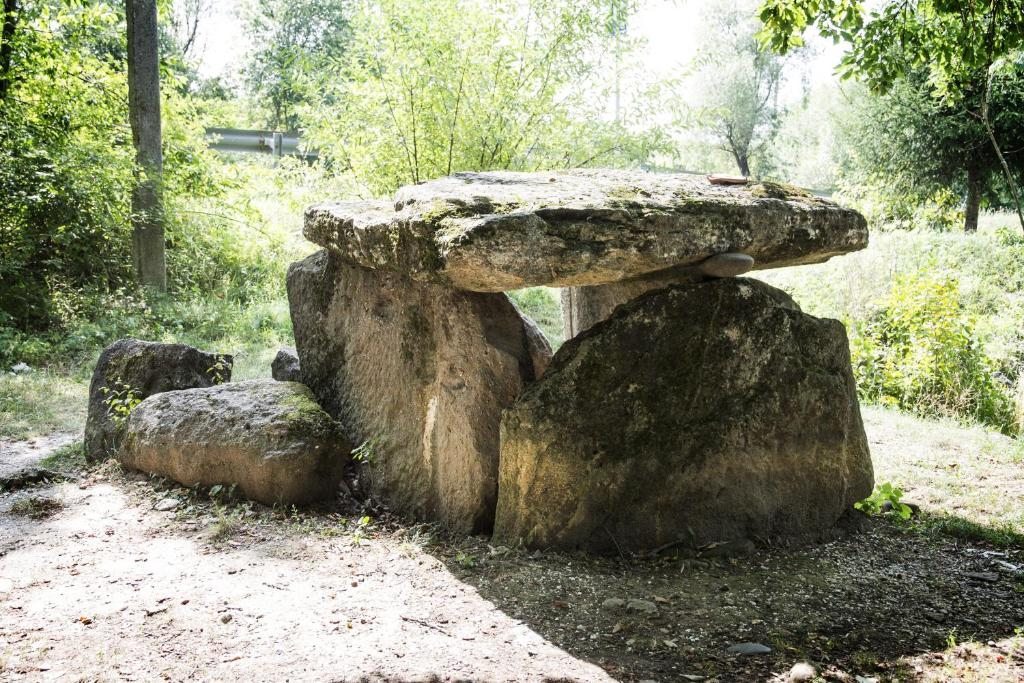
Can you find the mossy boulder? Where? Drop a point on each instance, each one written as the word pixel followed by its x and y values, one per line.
pixel 268 438
pixel 707 413
pixel 130 370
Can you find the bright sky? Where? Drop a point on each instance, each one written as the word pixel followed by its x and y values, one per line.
pixel 669 28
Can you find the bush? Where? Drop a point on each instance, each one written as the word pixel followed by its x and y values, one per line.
pixel 920 352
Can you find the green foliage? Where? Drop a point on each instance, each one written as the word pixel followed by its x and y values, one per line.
pixel 739 81
pixel 291 42
pixel 921 353
pixel 366 452
pixel 120 400
pixel 875 504
pixel 906 149
pixel 500 86
pixel 544 307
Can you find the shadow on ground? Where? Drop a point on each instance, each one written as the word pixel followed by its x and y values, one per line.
pixel 860 606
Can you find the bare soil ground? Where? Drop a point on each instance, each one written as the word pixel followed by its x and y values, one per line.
pixel 96 583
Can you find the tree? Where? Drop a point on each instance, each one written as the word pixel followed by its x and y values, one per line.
pixel 964 45
pixel 739 80
pixel 503 86
pixel 292 40
pixel 144 116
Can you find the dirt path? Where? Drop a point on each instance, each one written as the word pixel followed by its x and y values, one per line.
pixel 108 588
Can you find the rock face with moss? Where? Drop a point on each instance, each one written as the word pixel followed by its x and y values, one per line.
pixel 493 232
pixel 268 438
pixel 420 374
pixel 707 413
pixel 130 370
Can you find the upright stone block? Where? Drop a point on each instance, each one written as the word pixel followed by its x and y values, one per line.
pixel 420 371
pixel 707 413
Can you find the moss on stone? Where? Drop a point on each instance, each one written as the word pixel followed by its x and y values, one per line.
pixel 772 190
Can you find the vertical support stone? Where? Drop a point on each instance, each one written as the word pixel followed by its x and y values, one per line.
pixel 584 307
pixel 420 371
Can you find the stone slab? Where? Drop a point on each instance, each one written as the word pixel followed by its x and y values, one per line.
pixel 499 231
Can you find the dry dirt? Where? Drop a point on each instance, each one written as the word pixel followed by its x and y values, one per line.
pixel 102 586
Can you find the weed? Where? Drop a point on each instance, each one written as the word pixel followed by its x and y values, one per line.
pixel 465 560
pixel 121 400
pixel 36 507
pixel 366 452
pixel 67 458
pixel 886 498
pixel 226 524
pixel 363 524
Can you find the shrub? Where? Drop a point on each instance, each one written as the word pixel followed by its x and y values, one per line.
pixel 920 352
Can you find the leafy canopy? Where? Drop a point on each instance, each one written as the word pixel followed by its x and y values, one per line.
pixel 952 39
pixel 425 89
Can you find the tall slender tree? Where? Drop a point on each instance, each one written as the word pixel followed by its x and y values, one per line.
pixel 144 115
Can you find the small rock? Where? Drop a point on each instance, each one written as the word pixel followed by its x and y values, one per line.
pixel 801 672
pixel 643 606
pixel 21 368
pixel 613 603
pixel 990 577
pixel 285 367
pixel 166 505
pixel 226 618
pixel 726 265
pixel 749 649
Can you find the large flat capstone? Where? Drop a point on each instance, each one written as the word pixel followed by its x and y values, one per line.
pixel 419 373
pixel 498 231
pixel 706 413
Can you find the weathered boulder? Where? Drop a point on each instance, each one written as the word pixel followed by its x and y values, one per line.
pixel 493 232
pixel 285 366
pixel 707 413
pixel 269 438
pixel 421 373
pixel 145 368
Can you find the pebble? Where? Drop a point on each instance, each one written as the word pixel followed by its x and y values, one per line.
pixel 749 649
pixel 645 606
pixel 729 264
pixel 802 672
pixel 166 505
pixel 226 618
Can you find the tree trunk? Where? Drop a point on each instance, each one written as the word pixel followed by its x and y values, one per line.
pixel 973 203
pixel 144 114
pixel 10 24
pixel 1010 181
pixel 744 164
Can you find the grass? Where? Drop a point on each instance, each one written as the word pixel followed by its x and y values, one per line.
pixel 43 402
pixel 68 458
pixel 36 507
pixel 544 307
pixel 968 480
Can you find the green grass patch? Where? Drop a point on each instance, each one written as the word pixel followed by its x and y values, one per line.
pixel 543 305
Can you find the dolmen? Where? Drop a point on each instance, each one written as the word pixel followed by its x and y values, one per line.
pixel 689 406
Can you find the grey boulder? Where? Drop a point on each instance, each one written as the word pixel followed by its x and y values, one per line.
pixel 145 368
pixel 704 414
pixel 270 439
pixel 285 366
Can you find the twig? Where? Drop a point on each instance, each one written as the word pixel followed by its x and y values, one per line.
pixel 426 624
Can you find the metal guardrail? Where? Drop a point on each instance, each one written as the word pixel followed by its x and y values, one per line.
pixel 272 142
